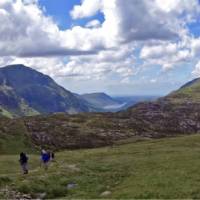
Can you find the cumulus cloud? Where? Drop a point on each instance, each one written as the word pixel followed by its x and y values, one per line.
pixel 195 45
pixel 93 24
pixel 196 71
pixel 158 51
pixel 88 8
pixel 167 55
pixel 126 19
pixel 26 32
pixel 99 49
pixel 25 23
pixel 105 63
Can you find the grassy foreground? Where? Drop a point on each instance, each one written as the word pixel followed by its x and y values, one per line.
pixel 166 168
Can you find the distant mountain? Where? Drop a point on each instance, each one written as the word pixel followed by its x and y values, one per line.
pixel 105 103
pixel 24 91
pixel 101 100
pixel 128 101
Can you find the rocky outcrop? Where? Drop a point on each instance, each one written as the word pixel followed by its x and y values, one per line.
pixel 63 131
pixel 163 118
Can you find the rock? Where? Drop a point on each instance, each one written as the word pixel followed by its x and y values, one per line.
pixel 73 168
pixel 71 186
pixel 26 196
pixel 106 193
pixel 41 195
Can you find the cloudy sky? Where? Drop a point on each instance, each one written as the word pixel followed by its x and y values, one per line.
pixel 122 47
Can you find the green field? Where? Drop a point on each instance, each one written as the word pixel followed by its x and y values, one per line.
pixel 165 168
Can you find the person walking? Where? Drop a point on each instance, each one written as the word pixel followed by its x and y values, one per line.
pixel 45 158
pixel 52 156
pixel 23 160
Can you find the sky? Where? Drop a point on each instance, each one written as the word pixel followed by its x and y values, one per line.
pixel 121 47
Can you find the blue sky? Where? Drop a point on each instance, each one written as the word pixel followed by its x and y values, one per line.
pixel 60 11
pixel 132 47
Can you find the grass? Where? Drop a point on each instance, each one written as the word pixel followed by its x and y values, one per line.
pixel 186 94
pixel 5 113
pixel 164 168
pixel 13 137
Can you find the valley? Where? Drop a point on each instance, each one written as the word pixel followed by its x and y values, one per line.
pixel 149 169
pixel 99 99
pixel 145 151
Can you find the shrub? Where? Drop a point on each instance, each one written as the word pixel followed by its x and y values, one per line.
pixel 4 180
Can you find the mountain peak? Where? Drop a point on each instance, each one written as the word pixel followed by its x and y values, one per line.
pixel 16 66
pixel 22 87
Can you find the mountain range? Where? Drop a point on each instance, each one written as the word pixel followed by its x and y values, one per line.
pixel 24 91
pixel 175 114
pixel 27 92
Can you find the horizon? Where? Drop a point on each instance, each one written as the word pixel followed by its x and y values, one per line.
pixel 97 92
pixel 94 46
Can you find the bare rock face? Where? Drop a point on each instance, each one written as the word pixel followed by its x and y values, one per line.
pixel 106 194
pixel 63 131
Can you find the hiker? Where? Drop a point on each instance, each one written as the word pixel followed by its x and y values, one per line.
pixel 52 156
pixel 45 158
pixel 24 162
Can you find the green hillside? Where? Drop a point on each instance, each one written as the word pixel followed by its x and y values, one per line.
pixel 164 169
pixel 190 92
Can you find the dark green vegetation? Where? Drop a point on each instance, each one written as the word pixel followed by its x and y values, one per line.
pixel 61 131
pixel 164 168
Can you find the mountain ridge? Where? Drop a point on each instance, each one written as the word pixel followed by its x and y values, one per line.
pixel 100 99
pixel 168 116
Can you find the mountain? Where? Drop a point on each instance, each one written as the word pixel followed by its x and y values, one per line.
pixel 177 113
pixel 24 91
pixel 102 101
pixel 105 103
pixel 129 101
pixel 190 92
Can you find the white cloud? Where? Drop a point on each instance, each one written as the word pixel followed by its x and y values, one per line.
pixel 196 71
pixel 179 6
pixel 88 8
pixel 25 23
pixel 167 55
pixel 107 50
pixel 93 24
pixel 195 45
pixel 118 62
pixel 153 80
pixel 153 52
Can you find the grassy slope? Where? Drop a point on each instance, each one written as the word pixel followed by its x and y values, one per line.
pixel 166 168
pixel 191 93
pixel 13 137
